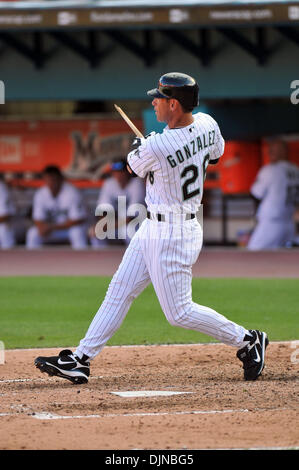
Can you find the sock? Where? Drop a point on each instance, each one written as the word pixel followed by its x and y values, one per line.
pixel 84 358
pixel 246 339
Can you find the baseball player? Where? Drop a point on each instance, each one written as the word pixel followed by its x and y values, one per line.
pixel 7 210
pixel 58 213
pixel 169 240
pixel 276 189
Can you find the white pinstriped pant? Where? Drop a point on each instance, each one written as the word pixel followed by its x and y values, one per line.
pixel 158 253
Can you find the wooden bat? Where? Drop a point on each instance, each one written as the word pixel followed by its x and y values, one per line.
pixel 129 122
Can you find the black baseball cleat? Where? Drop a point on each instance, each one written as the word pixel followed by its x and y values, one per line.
pixel 253 354
pixel 66 365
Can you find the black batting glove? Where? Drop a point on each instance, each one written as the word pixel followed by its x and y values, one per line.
pixel 138 141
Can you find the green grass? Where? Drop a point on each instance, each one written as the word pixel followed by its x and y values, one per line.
pixel 56 311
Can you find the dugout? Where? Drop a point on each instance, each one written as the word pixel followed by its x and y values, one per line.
pixel 68 61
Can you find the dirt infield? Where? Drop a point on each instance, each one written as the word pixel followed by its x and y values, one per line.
pixel 216 409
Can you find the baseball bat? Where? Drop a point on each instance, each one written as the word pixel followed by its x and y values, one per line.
pixel 129 122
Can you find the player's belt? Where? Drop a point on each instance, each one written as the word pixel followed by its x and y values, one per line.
pixel 161 217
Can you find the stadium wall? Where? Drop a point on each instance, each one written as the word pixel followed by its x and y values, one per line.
pixel 233 73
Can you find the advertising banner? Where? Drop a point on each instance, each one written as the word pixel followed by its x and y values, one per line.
pixel 81 148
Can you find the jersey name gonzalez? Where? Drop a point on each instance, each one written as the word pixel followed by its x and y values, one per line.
pixel 196 145
pixel 176 162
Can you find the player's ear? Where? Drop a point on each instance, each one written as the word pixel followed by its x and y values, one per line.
pixel 172 104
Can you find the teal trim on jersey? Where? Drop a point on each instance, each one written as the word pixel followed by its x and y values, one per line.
pixel 56 311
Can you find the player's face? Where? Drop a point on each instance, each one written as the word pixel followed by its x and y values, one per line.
pixel 162 109
pixel 277 151
pixel 54 183
pixel 122 177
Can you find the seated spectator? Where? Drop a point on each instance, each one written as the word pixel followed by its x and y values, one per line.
pixel 7 210
pixel 276 190
pixel 58 213
pixel 119 192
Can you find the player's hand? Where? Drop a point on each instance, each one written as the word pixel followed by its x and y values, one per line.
pixel 45 229
pixel 92 231
pixel 138 141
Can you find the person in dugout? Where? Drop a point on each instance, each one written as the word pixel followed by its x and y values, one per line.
pixel 58 213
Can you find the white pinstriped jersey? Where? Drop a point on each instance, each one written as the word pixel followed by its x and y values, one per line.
pixel 175 163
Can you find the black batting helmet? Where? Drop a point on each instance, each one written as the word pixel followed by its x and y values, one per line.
pixel 180 86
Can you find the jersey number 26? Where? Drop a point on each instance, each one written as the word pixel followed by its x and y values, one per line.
pixel 193 170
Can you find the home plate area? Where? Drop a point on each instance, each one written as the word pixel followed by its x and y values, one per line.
pixel 151 397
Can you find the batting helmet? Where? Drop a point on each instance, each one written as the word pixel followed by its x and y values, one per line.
pixel 180 86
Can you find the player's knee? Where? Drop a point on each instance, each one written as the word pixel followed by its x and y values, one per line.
pixel 180 317
pixel 119 290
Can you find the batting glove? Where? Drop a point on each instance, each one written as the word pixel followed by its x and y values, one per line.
pixel 138 141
